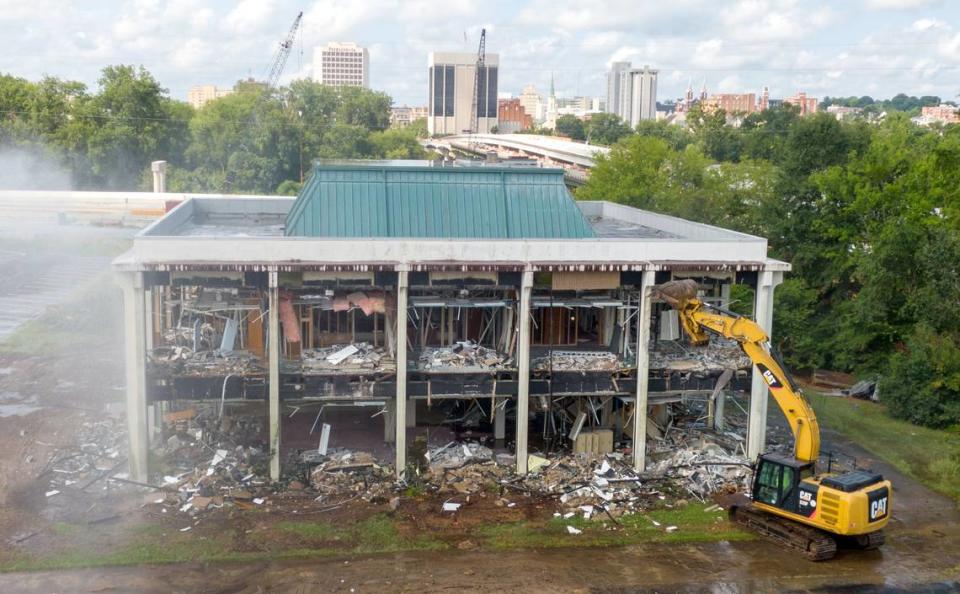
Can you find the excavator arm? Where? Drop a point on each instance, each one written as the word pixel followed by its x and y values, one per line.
pixel 699 320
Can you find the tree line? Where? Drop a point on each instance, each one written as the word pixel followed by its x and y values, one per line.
pixel 866 213
pixel 255 140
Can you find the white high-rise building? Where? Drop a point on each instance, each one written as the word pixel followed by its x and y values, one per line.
pixel 341 65
pixel 632 92
pixel 452 78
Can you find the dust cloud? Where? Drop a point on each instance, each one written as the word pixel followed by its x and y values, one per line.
pixel 31 169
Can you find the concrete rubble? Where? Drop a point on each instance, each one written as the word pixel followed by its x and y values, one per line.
pixel 345 358
pixel 577 361
pixel 346 475
pixel 181 360
pixel 462 355
pixel 206 469
pixel 98 453
pixel 720 354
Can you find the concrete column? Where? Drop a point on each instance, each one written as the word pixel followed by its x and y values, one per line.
pixel 273 362
pixel 718 408
pixel 499 421
pixel 148 317
pixel 390 421
pixel 523 370
pixel 725 295
pixel 134 318
pixel 767 281
pixel 411 414
pixel 159 169
pixel 400 406
pixel 643 372
pixel 718 400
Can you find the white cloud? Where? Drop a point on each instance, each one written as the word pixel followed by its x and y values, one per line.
pixel 249 15
pixel 820 46
pixel 927 25
pixel 899 4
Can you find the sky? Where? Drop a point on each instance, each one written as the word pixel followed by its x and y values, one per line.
pixel 844 47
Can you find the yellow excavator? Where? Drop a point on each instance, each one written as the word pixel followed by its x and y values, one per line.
pixel 791 502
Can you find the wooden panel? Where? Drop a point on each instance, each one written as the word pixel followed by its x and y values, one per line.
pixel 255 334
pixel 570 281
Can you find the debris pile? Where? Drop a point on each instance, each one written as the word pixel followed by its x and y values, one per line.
pixel 577 361
pixel 455 455
pixel 95 455
pixel 343 358
pixel 227 478
pixel 181 360
pixel 207 469
pixel 347 475
pixel 463 355
pixel 703 472
pixel 715 357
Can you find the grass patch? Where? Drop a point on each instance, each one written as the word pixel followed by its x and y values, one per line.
pixel 379 534
pixel 65 528
pixel 692 522
pixel 931 456
pixel 312 530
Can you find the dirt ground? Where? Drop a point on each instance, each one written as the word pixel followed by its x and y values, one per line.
pixel 75 381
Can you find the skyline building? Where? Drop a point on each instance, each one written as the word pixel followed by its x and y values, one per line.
pixel 200 95
pixel 451 93
pixel 632 92
pixel 341 64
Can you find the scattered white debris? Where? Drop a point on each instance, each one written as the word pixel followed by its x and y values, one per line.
pixel 52 493
pixel 451 506
pixel 573 530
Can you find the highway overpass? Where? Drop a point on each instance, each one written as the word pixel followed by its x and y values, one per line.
pixel 575 157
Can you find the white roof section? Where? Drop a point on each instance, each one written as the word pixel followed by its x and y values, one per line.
pixel 247 234
pixel 461 59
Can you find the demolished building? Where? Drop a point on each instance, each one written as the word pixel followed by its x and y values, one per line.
pixel 395 287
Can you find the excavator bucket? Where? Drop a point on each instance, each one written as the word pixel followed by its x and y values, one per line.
pixel 677 293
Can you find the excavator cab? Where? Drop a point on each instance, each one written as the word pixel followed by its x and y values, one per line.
pixel 777 481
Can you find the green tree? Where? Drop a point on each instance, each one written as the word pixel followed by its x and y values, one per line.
pixel 677 137
pixel 363 107
pixel 629 174
pixel 572 127
pixel 606 129
pixel 397 143
pixel 126 126
pixel 714 137
pixel 923 383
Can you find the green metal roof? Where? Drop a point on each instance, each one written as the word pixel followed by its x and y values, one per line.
pixel 402 200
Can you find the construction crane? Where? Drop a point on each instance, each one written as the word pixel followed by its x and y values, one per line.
pixel 273 77
pixel 481 61
pixel 283 52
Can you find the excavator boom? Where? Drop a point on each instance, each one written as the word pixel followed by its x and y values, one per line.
pixel 699 320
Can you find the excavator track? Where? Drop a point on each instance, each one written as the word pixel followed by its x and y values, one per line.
pixel 815 545
pixel 871 541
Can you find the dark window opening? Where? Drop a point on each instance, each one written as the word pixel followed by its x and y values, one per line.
pixel 448 84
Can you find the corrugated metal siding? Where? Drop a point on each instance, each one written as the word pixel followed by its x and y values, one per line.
pixel 436 202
